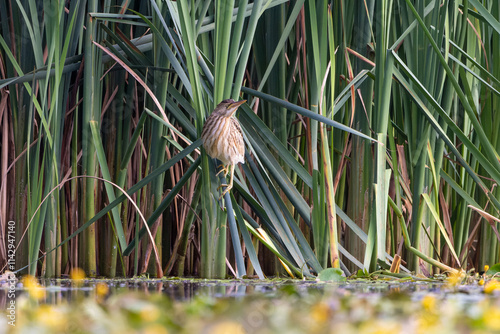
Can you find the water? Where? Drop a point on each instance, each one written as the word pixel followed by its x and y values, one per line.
pixel 250 306
pixel 65 290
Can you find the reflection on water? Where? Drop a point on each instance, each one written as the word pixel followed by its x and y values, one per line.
pixel 64 290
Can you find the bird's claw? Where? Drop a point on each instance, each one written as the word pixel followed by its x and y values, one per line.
pixel 224 169
pixel 222 185
pixel 228 186
pixel 225 190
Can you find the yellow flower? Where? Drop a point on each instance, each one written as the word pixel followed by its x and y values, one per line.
pixel 29 281
pixel 429 303
pixel 486 267
pixel 150 313
pixel 491 318
pixel 455 278
pixel 492 286
pixel 34 289
pixel 155 329
pixel 101 290
pixel 427 322
pixel 481 282
pixel 50 316
pixel 380 327
pixel 227 327
pixel 320 312
pixel 77 274
pixel 428 318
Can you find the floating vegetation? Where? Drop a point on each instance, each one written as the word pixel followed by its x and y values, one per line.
pixel 254 306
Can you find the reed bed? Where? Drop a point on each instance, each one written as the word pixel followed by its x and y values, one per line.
pixel 371 130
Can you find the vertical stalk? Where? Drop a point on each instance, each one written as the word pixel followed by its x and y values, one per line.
pixel 383 84
pixel 90 112
pixel 360 183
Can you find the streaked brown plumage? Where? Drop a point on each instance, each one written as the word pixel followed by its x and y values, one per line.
pixel 223 139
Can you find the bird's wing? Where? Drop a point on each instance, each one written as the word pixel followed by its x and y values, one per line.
pixel 238 133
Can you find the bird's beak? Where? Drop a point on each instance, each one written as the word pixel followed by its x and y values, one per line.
pixel 234 106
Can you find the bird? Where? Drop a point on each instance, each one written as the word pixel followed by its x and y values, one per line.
pixel 223 139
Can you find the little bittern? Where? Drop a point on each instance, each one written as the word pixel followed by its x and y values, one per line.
pixel 223 139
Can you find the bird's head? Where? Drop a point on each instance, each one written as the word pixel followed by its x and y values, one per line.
pixel 228 107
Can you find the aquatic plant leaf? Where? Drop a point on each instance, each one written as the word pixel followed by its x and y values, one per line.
pixel 494 269
pixel 331 275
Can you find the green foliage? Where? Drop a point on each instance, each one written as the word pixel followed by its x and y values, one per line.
pixel 331 275
pixel 494 269
pixel 369 126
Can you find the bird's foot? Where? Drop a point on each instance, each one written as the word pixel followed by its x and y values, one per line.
pixel 222 186
pixel 228 188
pixel 224 169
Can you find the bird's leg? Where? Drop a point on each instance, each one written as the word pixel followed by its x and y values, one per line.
pixel 224 169
pixel 228 187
